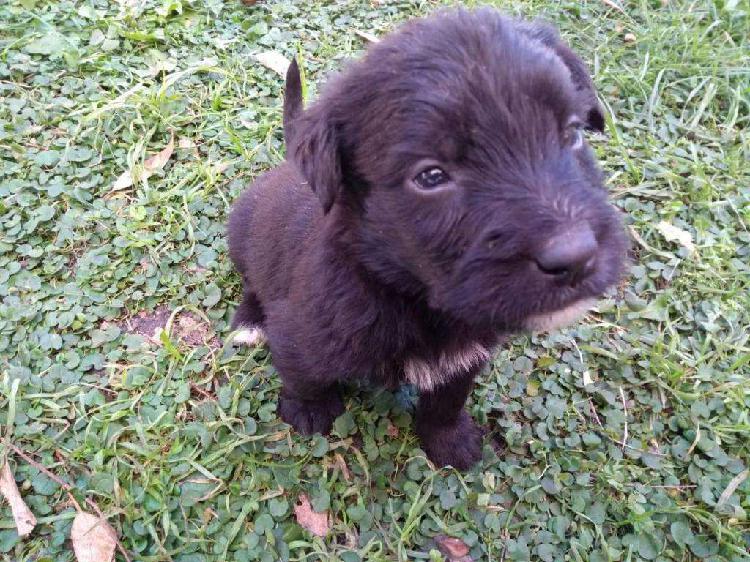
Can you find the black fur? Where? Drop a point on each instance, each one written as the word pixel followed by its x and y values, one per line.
pixel 292 100
pixel 353 270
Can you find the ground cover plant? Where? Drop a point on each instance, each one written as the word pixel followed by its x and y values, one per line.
pixel 126 130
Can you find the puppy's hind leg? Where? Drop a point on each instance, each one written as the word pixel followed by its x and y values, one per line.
pixel 248 319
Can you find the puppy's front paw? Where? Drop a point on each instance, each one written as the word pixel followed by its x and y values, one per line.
pixel 458 445
pixel 311 416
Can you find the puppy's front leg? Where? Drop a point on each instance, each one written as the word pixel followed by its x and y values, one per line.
pixel 309 406
pixel 448 434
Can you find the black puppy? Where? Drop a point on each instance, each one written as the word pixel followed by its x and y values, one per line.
pixel 437 196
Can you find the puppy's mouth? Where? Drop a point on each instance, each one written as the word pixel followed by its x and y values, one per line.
pixel 557 319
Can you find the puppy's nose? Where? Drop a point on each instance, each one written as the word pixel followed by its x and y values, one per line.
pixel 570 255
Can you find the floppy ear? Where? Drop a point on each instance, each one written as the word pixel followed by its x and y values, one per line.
pixel 316 151
pixel 547 35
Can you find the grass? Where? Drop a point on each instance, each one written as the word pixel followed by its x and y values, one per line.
pixel 176 438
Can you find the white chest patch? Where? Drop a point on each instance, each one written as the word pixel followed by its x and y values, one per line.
pixel 427 374
pixel 559 318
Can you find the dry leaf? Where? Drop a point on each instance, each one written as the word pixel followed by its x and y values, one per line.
pixel 151 165
pixel 392 430
pixel 454 549
pixel 340 463
pixel 94 540
pixel 160 159
pixel 732 487
pixel 316 523
pixel 273 60
pixel 25 520
pixel 367 36
pixel 674 234
pixel 124 181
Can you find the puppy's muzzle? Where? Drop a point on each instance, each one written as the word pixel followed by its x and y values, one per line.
pixel 570 256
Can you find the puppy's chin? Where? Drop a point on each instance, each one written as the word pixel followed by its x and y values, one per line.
pixel 550 321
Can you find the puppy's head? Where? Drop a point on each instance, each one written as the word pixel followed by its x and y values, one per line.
pixel 454 155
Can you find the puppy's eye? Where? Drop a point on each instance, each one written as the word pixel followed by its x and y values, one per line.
pixel 431 177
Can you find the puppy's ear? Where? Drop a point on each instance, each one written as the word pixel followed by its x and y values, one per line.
pixel 316 151
pixel 293 102
pixel 548 36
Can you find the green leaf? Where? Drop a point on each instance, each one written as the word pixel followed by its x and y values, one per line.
pixel 51 43
pixel 703 547
pixel 682 533
pixel 322 501
pixel 591 439
pixel 263 523
pixel 448 499
pixel 192 492
pixel 47 158
pixel 597 513
pixel 8 539
pixel 319 446
pixel 559 525
pixel 546 552
pixel 356 512
pixel 278 507
pixel 43 485
pixel 344 425
pixel 213 295
pixel 647 546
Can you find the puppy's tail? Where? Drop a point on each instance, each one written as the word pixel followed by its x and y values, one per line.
pixel 292 100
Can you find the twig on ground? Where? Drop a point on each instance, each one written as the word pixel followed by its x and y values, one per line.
pixel 206 395
pixel 695 441
pixel 49 474
pixel 592 408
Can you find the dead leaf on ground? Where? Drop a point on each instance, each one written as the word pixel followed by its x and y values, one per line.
pixel 672 233
pixel 24 519
pixel 340 463
pixel 124 181
pixel 94 540
pixel 273 60
pixel 367 36
pixel 732 487
pixel 454 549
pixel 150 166
pixel 317 523
pixel 392 430
pixel 160 159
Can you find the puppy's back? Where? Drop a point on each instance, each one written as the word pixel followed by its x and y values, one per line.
pixel 269 227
